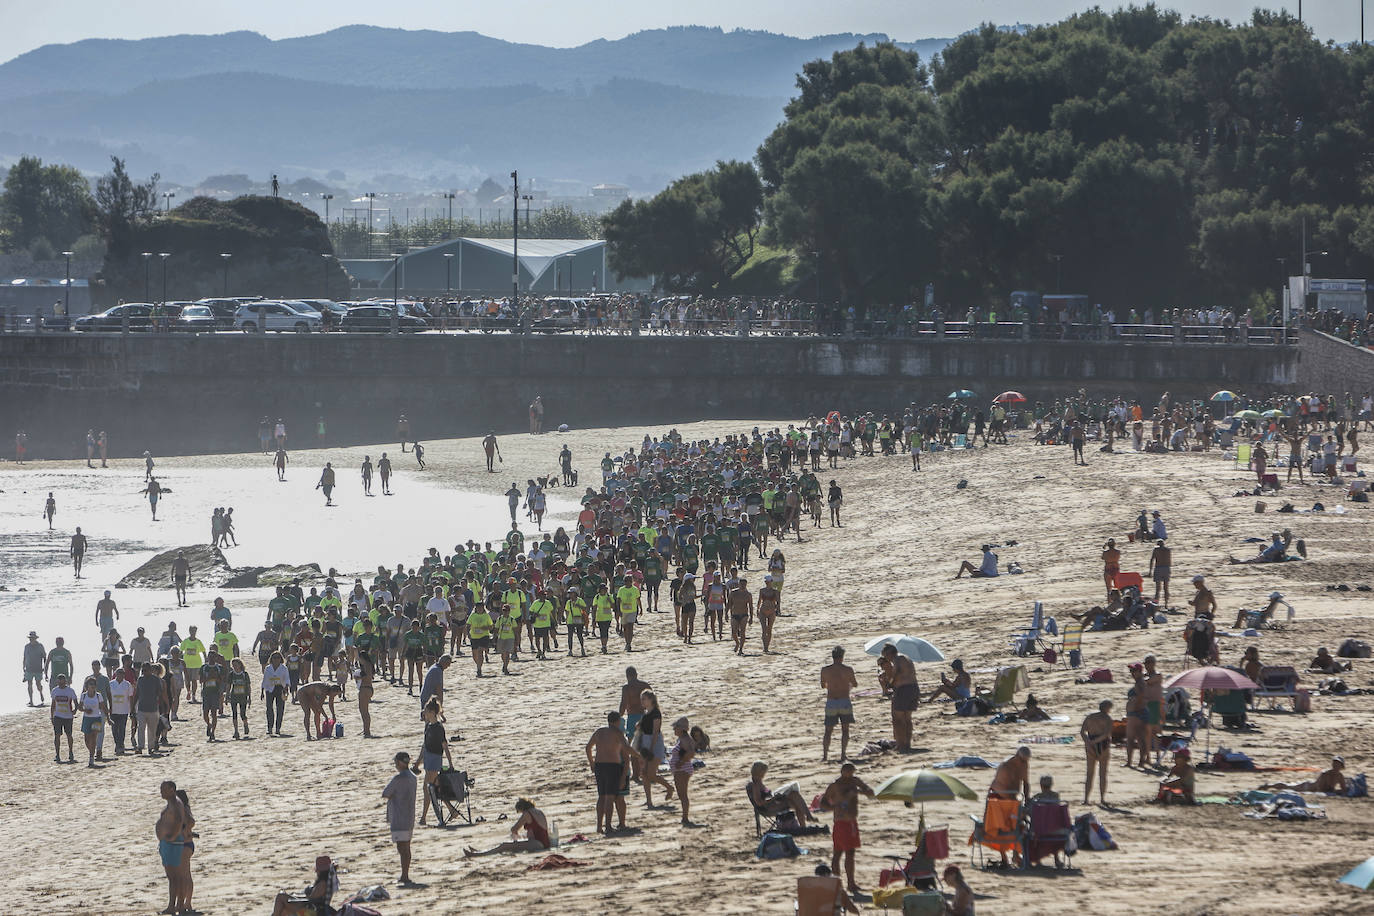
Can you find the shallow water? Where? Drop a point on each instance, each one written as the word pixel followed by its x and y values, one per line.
pixel 275 522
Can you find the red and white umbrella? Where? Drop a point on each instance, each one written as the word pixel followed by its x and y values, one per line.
pixel 1211 678
pixel 1010 397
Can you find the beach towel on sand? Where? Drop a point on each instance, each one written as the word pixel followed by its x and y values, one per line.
pixel 552 861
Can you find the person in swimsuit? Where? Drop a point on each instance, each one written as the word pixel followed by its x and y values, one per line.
pixel 532 821
pixel 188 847
pixel 367 475
pixel 491 449
pixel 170 827
pixel 741 615
pixel 154 492
pixel 842 799
pixel 1161 559
pixel 608 756
pixel 837 679
pixel 769 605
pixel 1096 733
pixel 958 688
pixel 1180 780
pixel 680 763
pixel 327 483
pixel 78 550
pixel 1111 564
pixel 906 696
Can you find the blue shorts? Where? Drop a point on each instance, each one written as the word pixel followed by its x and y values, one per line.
pixel 170 851
pixel 433 762
pixel 632 722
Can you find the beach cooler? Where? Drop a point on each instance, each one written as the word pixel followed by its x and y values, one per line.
pixel 1348 464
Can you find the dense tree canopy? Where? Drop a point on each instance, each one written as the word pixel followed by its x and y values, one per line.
pixel 44 206
pixel 1161 162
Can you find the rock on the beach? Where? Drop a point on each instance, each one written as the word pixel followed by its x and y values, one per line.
pixel 208 567
pixel 272 576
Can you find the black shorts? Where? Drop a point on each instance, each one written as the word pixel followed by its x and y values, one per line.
pixel 610 777
pixel 62 726
pixel 414 654
pixel 263 658
pixel 604 626
pixel 481 642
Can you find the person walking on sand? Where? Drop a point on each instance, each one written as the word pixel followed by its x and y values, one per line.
pixel 837 679
pixel 367 475
pixel 491 449
pixel 181 575
pixel 78 551
pixel 434 749
pixel 62 712
pixel 154 492
pixel 841 798
pixel 400 810
pixel 170 827
pixel 1154 708
pixel 608 757
pixel 1161 562
pixel 106 613
pixel 384 472
pixel 50 509
pixel 419 455
pixel 35 662
pixel 327 483
pixel 681 766
pixel 1111 565
pixel 281 461
pixel 1096 733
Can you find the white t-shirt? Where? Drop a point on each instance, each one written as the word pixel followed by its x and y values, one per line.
pixel 64 702
pixel 438 606
pixel 90 705
pixel 121 697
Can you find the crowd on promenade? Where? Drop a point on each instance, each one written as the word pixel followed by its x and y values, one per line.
pixel 705 517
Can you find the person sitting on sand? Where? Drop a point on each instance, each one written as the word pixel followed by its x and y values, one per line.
pixel 960 687
pixel 1331 780
pixel 1033 712
pixel 962 904
pixel 1327 664
pixel 823 894
pixel 1180 780
pixel 986 570
pixel 316 899
pixel 1266 615
pixel 532 821
pixel 1277 549
pixel 775 803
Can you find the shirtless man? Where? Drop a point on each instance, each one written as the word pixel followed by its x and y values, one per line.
pixel 1136 715
pixel 1111 564
pixel 769 603
pixel 842 799
pixel 741 615
pixel 1012 776
pixel 1096 733
pixel 367 475
pixel 313 697
pixel 327 483
pixel 608 754
pixel 181 574
pixel 632 710
pixel 78 550
pixel 906 696
pixel 492 449
pixel 837 679
pixel 1161 559
pixel 1332 780
pixel 1154 708
pixel 1203 601
pixel 170 827
pixel 384 471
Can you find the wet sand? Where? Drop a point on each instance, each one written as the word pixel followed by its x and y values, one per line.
pixel 267 807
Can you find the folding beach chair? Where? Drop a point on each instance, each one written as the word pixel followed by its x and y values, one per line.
pixel 1030 641
pixel 1124 580
pixel 1047 833
pixel 998 829
pixel 452 788
pixel 1004 686
pixel 1243 456
pixel 1072 647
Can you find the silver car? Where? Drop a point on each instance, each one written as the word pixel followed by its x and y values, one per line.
pixel 275 316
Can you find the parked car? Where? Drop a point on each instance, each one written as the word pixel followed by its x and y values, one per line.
pixel 139 315
pixel 559 319
pixel 224 311
pixel 332 312
pixel 275 316
pixel 377 319
pixel 196 317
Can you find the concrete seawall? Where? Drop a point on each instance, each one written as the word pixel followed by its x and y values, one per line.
pixel 203 393
pixel 1329 365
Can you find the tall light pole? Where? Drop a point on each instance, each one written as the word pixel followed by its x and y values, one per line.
pixel 164 255
pixel 515 242
pixel 224 259
pixel 370 197
pixel 1058 272
pixel 527 198
pixel 326 198
pixel 147 259
pixel 395 292
pixel 67 287
pixel 448 274
pixel 167 197
pixel 449 195
pixel 324 259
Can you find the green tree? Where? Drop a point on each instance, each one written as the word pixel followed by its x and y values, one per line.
pixel 48 202
pixel 123 203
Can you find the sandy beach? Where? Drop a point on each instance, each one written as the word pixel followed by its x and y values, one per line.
pixel 266 808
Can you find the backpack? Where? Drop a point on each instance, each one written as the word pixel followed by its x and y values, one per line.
pixel 1100 676
pixel 1356 787
pixel 1353 648
pixel 777 846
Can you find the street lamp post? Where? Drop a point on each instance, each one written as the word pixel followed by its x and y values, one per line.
pixel 395 293
pixel 370 197
pixel 147 294
pixel 167 197
pixel 67 288
pixel 448 274
pixel 1058 272
pixel 449 195
pixel 224 259
pixel 164 255
pixel 515 243
pixel 527 198
pixel 326 198
pixel 324 260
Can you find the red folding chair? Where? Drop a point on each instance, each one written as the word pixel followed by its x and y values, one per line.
pixel 1125 580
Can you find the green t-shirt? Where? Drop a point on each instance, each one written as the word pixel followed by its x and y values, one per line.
pixel 211 679
pixel 192 653
pixel 604 607
pixel 278 607
pixel 414 639
pixel 479 624
pixel 226 643
pixel 710 546
pixel 434 639
pixel 240 685
pixel 60 662
pixel 652 568
pixel 543 613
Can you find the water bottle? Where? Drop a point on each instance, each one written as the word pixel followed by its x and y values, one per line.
pixel 553 834
pixel 338 729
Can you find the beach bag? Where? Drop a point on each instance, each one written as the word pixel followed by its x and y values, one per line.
pixel 1100 676
pixel 1099 838
pixel 973 706
pixel 1302 701
pixel 777 846
pixel 1177 706
pixel 1356 787
pixel 1353 648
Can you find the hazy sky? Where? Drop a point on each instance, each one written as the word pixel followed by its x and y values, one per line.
pixel 549 22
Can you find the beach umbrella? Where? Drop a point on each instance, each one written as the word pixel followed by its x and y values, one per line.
pixel 1010 397
pixel 1211 678
pixel 913 647
pixel 1361 876
pixel 1225 395
pixel 921 786
pixel 1272 413
pixel 963 394
pixel 1247 415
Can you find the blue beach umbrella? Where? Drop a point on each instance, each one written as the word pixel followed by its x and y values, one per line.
pixel 1224 395
pixel 1361 876
pixel 963 394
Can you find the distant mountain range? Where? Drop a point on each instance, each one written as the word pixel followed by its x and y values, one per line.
pixel 363 100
